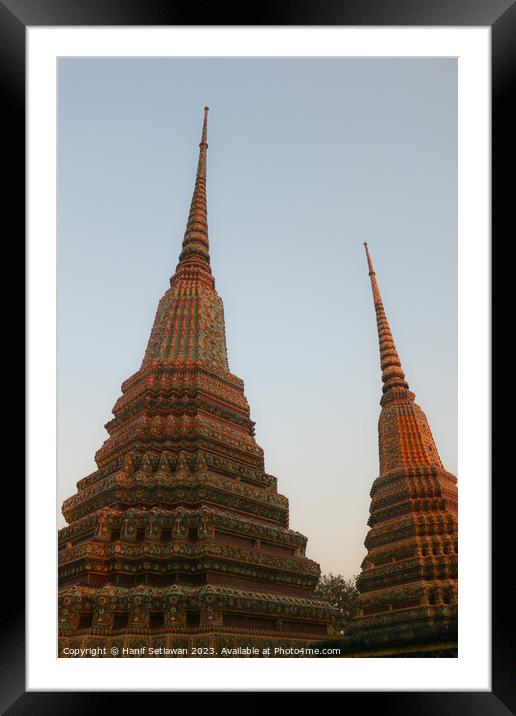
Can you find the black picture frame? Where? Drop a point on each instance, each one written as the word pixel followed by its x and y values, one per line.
pixel 500 15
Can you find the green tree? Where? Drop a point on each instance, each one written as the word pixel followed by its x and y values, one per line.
pixel 341 593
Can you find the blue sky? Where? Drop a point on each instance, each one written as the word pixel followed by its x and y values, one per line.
pixel 307 160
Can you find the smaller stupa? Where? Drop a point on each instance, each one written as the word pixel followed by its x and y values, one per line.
pixel 408 582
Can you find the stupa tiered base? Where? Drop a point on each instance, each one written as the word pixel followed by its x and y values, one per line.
pixel 188 622
pixel 193 569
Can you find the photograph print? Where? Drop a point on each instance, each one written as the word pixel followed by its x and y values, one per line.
pixel 257 421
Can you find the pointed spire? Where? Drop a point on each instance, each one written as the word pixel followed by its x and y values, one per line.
pixel 393 377
pixel 195 248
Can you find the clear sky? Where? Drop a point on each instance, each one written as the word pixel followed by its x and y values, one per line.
pixel 307 159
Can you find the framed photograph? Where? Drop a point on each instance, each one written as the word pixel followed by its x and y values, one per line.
pixel 222 511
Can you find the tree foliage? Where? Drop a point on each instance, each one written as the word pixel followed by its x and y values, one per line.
pixel 341 593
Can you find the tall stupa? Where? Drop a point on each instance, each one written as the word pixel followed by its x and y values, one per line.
pixel 179 543
pixel 408 583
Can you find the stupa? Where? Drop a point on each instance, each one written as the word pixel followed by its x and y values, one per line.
pixel 408 579
pixel 179 543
